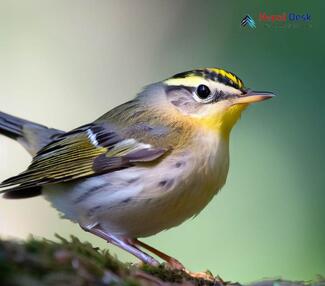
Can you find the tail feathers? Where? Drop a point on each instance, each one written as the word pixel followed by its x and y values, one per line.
pixel 23 193
pixel 31 135
pixel 11 126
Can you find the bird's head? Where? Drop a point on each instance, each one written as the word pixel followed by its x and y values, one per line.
pixel 211 97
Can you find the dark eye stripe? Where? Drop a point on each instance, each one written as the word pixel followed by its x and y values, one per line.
pixel 170 88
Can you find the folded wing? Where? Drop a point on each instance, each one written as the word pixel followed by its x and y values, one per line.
pixel 86 151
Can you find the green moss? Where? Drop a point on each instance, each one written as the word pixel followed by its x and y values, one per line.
pixel 164 273
pixel 75 263
pixel 70 262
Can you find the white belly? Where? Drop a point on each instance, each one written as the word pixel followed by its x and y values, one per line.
pixel 141 201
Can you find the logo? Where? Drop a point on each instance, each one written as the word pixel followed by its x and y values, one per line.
pixel 279 21
pixel 285 17
pixel 248 21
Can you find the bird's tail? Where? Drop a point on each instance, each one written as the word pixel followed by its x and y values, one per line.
pixel 11 126
pixel 31 135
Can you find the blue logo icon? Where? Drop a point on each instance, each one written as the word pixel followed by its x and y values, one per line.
pixel 248 21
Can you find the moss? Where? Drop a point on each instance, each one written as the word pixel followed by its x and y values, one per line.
pixel 74 263
pixel 70 262
pixel 164 273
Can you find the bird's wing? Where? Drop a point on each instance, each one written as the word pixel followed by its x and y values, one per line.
pixel 86 151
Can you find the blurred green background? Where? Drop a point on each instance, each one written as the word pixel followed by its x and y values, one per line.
pixel 65 62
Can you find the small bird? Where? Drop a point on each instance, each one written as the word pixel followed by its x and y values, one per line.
pixel 144 166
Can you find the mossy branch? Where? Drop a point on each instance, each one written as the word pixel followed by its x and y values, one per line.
pixel 73 263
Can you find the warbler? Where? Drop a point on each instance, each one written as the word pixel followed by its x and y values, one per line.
pixel 144 166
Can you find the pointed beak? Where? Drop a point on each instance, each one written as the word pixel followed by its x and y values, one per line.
pixel 251 96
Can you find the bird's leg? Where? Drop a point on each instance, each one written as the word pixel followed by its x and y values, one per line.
pixel 174 263
pixel 130 245
pixel 123 244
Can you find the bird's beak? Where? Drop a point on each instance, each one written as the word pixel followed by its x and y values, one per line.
pixel 251 96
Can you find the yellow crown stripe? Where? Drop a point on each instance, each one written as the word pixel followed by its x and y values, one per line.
pixel 229 75
pixel 191 78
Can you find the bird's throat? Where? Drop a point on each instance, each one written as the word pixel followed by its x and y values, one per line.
pixel 223 122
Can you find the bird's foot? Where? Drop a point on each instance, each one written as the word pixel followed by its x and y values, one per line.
pixel 201 275
pixel 149 260
pixel 175 264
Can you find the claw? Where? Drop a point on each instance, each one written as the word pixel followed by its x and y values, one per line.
pixel 175 264
pixel 151 261
pixel 201 275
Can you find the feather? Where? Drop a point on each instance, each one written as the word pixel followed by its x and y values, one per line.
pixel 23 194
pixel 89 150
pixel 32 136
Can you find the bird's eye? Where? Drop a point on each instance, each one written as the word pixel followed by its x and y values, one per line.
pixel 203 91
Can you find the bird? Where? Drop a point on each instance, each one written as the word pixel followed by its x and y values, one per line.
pixel 145 166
